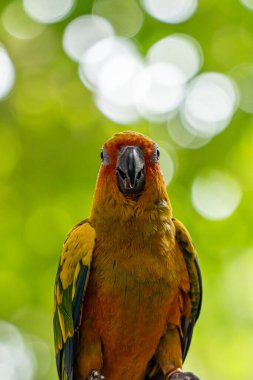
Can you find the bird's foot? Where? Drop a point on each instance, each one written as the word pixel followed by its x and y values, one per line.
pixel 95 375
pixel 179 375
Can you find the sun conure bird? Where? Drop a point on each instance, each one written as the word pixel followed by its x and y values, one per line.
pixel 128 287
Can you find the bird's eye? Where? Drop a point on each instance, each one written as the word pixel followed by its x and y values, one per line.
pixel 105 158
pixel 155 155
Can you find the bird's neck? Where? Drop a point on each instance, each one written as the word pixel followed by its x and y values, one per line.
pixel 129 235
pixel 111 210
pixel 108 216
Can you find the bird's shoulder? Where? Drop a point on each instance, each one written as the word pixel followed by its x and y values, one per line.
pixel 78 246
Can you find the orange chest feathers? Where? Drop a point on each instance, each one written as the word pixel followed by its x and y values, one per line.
pixel 133 293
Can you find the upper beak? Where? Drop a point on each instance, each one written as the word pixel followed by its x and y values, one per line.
pixel 130 170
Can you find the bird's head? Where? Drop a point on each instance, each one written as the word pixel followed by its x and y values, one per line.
pixel 130 175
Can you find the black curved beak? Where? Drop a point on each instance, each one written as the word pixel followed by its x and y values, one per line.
pixel 130 170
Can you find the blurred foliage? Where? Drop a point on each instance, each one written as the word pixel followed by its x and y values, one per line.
pixel 50 139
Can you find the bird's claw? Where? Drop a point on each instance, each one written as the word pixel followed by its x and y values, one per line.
pixel 183 376
pixel 95 375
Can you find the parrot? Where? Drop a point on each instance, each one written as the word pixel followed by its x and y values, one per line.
pixel 128 289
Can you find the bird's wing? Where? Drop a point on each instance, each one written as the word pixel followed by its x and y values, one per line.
pixel 70 285
pixel 195 294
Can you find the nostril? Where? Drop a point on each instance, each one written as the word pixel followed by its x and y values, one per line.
pixel 121 173
pixel 139 174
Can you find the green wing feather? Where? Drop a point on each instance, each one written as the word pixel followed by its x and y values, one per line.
pixel 187 324
pixel 70 285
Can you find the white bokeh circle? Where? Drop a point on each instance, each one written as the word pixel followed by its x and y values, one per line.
pixel 126 17
pixel 215 195
pixel 167 165
pixel 159 90
pixel 243 76
pixel 183 137
pixel 247 3
pixel 7 73
pixel 83 32
pixel 171 11
pixel 99 54
pixel 118 114
pixel 18 24
pixel 211 101
pixel 48 11
pixel 17 362
pixel 179 49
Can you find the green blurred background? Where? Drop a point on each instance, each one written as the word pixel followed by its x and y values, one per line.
pixel 51 133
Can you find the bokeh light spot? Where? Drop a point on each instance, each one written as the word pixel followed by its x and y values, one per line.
pixel 159 90
pixel 113 73
pixel 167 165
pixel 93 60
pixel 210 104
pixel 81 33
pixel 215 195
pixel 17 362
pixel 117 78
pixel 48 11
pixel 119 114
pixel 41 352
pixel 18 24
pixel 180 50
pixel 171 11
pixel 243 76
pixel 125 16
pixel 183 137
pixel 248 4
pixel 7 73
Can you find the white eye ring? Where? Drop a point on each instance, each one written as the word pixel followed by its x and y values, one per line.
pixel 155 155
pixel 105 158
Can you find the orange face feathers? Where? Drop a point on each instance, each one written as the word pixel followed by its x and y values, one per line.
pixel 114 144
pixel 130 174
